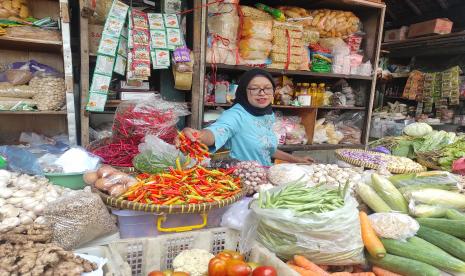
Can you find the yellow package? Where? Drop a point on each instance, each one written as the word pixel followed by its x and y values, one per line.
pixel 257 28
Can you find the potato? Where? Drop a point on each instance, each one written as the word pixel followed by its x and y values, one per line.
pixel 105 171
pixel 90 178
pixel 101 184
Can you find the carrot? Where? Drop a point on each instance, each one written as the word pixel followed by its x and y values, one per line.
pixel 383 272
pixel 305 263
pixel 291 262
pixel 341 274
pixel 302 271
pixel 363 274
pixel 370 240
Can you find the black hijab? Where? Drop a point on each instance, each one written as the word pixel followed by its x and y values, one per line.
pixel 241 92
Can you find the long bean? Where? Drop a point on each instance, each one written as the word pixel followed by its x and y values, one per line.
pixel 303 200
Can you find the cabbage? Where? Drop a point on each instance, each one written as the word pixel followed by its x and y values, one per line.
pixel 418 129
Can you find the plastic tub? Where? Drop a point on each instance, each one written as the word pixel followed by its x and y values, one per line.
pixel 134 224
pixel 69 180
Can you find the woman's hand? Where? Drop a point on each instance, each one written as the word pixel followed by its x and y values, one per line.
pixel 304 160
pixel 190 133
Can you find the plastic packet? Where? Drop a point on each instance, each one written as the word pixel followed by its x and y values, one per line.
pixel 18 76
pixel 77 218
pixel 21 160
pixel 50 89
pixel 282 174
pixel 433 179
pixel 156 155
pixel 331 238
pixel 394 225
pixel 426 211
pixel 16 91
pixel 135 119
pixel 233 217
pixel 225 26
pixel 257 28
pixel 77 160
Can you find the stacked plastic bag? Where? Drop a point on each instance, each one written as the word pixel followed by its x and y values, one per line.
pixel 288 50
pixel 256 36
pixel 223 25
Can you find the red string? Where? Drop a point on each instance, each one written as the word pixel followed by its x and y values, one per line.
pixel 286 66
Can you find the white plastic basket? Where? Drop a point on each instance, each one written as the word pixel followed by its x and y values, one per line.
pixel 148 254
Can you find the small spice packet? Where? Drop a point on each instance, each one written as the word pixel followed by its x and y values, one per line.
pixel 171 20
pixel 158 39
pixel 104 65
pixel 141 52
pixel 139 19
pixel 100 83
pixel 120 65
pixel 113 26
pixel 96 101
pixel 108 45
pixel 119 10
pixel 174 37
pixel 140 36
pixel 154 66
pixel 141 68
pixel 123 47
pixel 156 21
pixel 162 58
pixel 182 54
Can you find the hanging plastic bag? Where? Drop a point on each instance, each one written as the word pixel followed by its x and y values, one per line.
pixel 234 216
pixel 331 238
pixel 394 225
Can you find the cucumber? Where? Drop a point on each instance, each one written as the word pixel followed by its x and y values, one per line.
pixel 423 251
pixel 454 214
pixel 389 193
pixel 449 243
pixel 454 227
pixel 404 266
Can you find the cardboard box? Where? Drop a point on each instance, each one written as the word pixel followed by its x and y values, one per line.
pixel 396 34
pixel 435 26
pixel 95 33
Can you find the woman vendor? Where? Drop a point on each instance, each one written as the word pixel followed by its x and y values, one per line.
pixel 246 129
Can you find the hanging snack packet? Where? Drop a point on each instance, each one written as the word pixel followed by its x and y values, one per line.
pixel 158 39
pixel 171 20
pixel 100 83
pixel 156 21
pixel 113 26
pixel 104 65
pixel 108 45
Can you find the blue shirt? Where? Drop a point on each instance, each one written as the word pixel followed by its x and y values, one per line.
pixel 248 137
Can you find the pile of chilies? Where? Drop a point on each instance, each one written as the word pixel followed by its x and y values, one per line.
pixel 191 186
pixel 129 128
pixel 193 149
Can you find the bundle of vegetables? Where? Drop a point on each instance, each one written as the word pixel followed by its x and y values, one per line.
pixel 151 163
pixel 196 185
pixel 447 155
pixel 193 149
pixel 410 146
pixel 291 219
pixel 118 152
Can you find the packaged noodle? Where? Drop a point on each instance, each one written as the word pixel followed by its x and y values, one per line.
pixel 254 48
pixel 257 28
pixel 224 25
pixel 334 23
pixel 254 13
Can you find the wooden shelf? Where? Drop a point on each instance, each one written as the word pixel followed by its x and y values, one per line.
pixel 31 44
pixel 289 148
pixel 113 103
pixel 61 112
pixel 291 72
pixel 294 107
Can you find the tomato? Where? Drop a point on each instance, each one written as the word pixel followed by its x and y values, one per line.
pixel 234 255
pixel 168 272
pixel 265 271
pixel 237 268
pixel 217 267
pixel 156 273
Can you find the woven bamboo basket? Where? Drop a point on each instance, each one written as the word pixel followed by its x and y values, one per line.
pixel 97 143
pixel 361 163
pixel 167 209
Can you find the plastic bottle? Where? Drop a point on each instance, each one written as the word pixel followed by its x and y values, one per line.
pixel 314 94
pixel 321 94
pixel 297 90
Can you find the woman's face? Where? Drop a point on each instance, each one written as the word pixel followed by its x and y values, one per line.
pixel 260 92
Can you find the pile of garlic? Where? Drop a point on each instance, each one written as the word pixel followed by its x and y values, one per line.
pixel 332 175
pixel 23 198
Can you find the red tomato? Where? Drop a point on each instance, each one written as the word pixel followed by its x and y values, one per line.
pixel 180 274
pixel 237 268
pixel 156 273
pixel 265 271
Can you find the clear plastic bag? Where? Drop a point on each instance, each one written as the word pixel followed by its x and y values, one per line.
pixel 18 76
pixel 21 160
pixel 50 91
pixel 234 216
pixel 135 119
pixel 156 155
pixel 331 238
pixel 434 179
pixel 224 25
pixel 77 218
pixel 282 174
pixel 252 44
pixel 257 28
pixel 394 225
pixel 16 91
